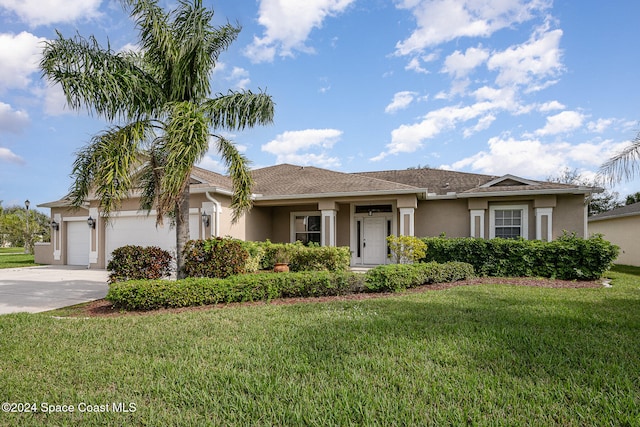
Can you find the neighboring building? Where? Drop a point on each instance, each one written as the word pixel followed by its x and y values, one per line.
pixel 621 227
pixel 332 208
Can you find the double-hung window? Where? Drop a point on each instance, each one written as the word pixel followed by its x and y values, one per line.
pixel 306 227
pixel 508 221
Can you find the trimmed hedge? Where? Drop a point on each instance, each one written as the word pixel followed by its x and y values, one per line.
pixel 215 257
pixel 567 258
pixel 137 262
pixel 153 294
pixel 398 277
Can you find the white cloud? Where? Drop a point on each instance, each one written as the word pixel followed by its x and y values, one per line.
pixel 562 123
pixel 298 147
pixel 533 158
pixel 288 24
pixel 460 64
pixel 409 138
pixel 8 156
pixel 401 100
pixel 19 58
pixel 600 125
pixel 44 12
pixel 482 124
pixel 440 21
pixel 12 120
pixel 240 78
pixel 531 63
pixel 551 106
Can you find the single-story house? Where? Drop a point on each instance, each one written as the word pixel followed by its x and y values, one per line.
pixel 621 227
pixel 332 208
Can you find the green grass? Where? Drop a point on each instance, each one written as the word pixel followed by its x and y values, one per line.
pixel 15 257
pixel 474 355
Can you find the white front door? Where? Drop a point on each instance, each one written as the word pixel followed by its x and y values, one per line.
pixel 374 242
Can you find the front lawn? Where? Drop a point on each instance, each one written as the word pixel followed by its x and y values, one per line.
pixel 468 355
pixel 15 257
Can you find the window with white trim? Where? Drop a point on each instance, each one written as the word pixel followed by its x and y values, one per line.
pixel 508 221
pixel 306 227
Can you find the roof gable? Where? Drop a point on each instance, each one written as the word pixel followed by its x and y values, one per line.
pixel 508 181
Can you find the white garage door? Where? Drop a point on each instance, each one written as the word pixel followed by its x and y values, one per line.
pixel 77 243
pixel 142 231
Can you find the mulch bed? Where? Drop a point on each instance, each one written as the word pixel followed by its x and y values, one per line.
pixel 103 308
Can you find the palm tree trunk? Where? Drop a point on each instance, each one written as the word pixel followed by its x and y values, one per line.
pixel 182 232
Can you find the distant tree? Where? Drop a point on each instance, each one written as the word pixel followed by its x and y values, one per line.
pixel 632 198
pixel 419 167
pixel 13 227
pixel 159 101
pixel 600 202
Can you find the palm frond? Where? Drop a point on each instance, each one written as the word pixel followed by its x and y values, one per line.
pixel 238 167
pixel 623 165
pixel 105 165
pixel 102 81
pixel 239 110
pixel 185 142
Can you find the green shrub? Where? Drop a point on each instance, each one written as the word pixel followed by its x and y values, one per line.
pixel 215 257
pixel 305 258
pixel 137 262
pixel 568 257
pixel 398 277
pixel 319 258
pixel 153 294
pixel 406 249
pixel 256 253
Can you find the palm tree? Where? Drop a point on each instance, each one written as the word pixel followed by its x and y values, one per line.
pixel 159 104
pixel 623 165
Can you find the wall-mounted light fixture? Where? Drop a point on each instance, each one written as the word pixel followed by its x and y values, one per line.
pixel 370 212
pixel 205 219
pixel 91 222
pixel 55 225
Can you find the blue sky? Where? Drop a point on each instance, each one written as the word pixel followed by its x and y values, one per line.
pixel 486 86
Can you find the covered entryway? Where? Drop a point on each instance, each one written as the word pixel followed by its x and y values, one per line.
pixel 78 243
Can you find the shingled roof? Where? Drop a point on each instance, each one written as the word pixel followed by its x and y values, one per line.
pixel 629 210
pixel 437 181
pixel 286 179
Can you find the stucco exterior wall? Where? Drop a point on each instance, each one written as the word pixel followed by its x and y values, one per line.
pixel 624 232
pixel 570 215
pixel 434 217
pixel 343 225
pixel 259 224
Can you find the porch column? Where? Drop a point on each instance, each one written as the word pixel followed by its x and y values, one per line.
pixel 477 223
pixel 328 235
pixel 55 238
pixel 407 219
pixel 93 236
pixel 544 224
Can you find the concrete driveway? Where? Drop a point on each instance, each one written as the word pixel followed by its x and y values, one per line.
pixel 42 288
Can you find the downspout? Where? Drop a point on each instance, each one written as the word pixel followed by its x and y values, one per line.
pixel 217 207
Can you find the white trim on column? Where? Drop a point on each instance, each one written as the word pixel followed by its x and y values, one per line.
pixel 55 238
pixel 93 255
pixel 410 212
pixel 540 212
pixel 331 214
pixel 473 214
